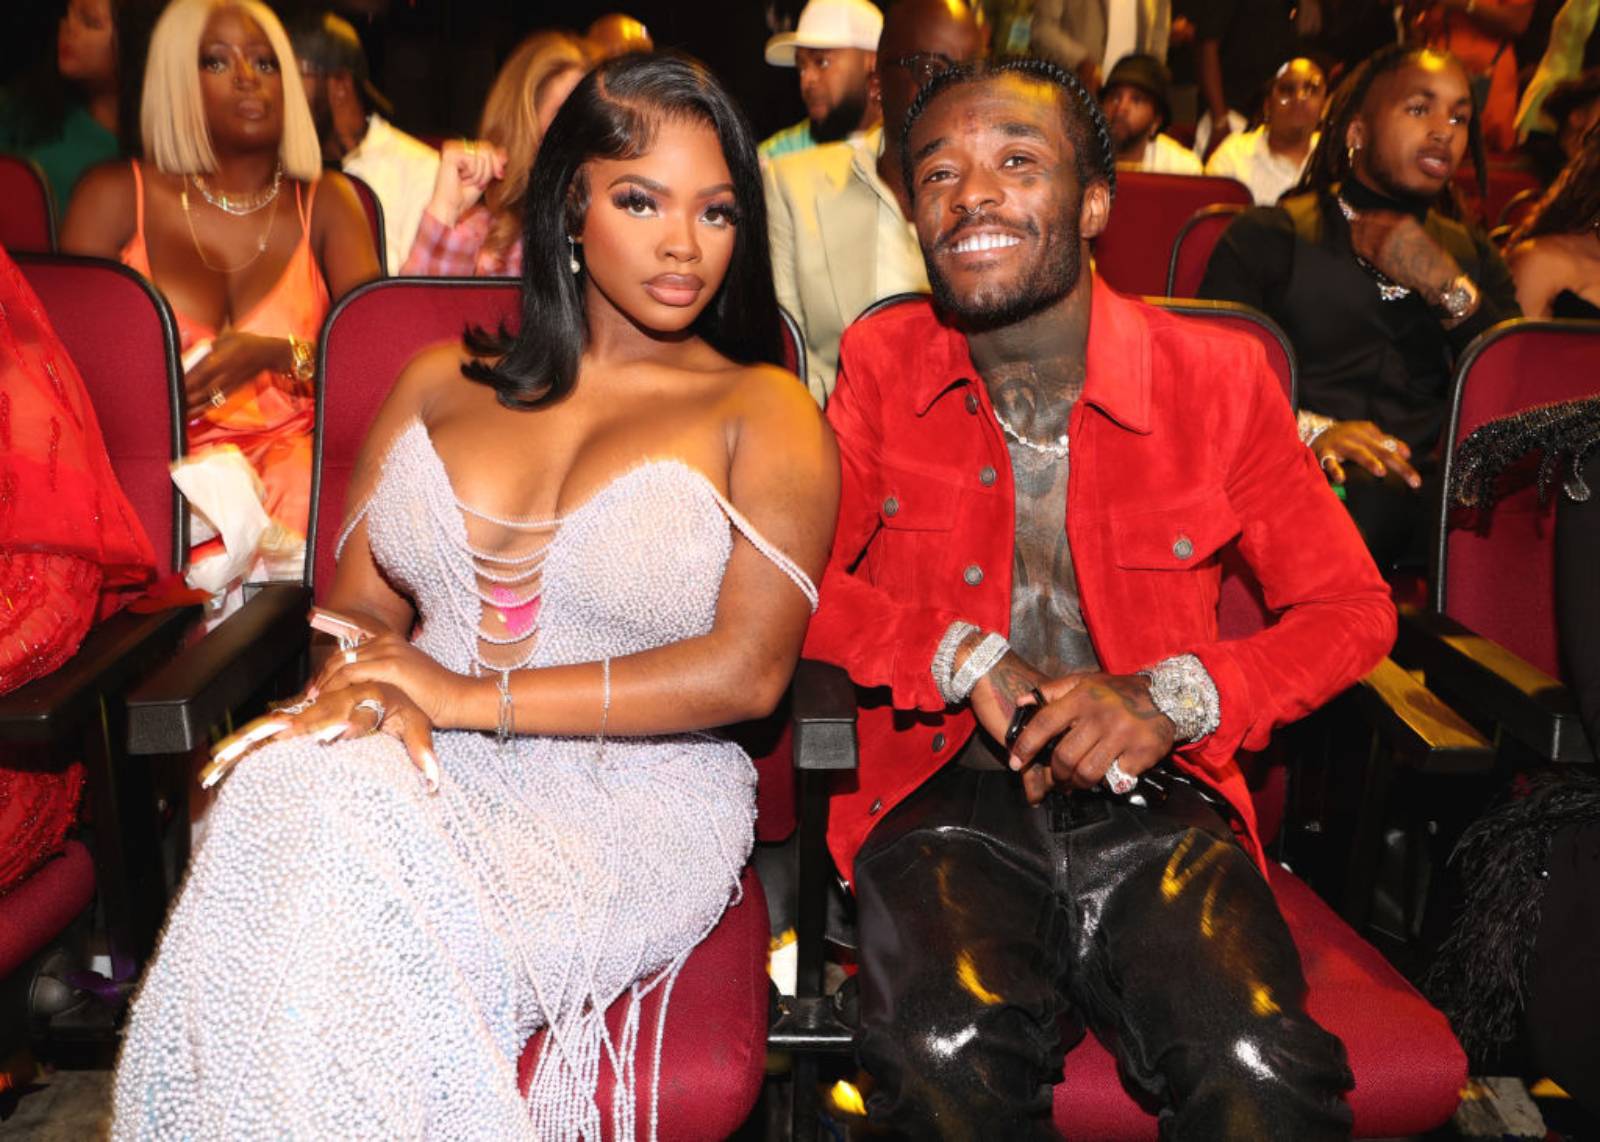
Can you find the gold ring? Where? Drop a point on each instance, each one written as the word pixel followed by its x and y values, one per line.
pixel 469 147
pixel 217 399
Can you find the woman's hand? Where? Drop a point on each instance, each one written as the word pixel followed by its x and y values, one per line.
pixel 466 168
pixel 1364 443
pixel 233 360
pixel 340 714
pixel 390 660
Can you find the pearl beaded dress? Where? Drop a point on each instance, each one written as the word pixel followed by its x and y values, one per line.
pixel 353 958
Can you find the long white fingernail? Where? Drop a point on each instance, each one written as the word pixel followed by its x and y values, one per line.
pixel 430 771
pixel 330 733
pixel 260 733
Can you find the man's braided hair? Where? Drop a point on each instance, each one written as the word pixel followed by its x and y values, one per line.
pixel 1086 126
pixel 1329 163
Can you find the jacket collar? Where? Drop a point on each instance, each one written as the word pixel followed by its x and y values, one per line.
pixel 1117 381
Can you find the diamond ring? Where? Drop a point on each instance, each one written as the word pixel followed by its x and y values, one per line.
pixel 1118 780
pixel 217 399
pixel 1390 444
pixel 370 704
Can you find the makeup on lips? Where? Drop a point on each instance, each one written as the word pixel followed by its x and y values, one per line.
pixel 677 290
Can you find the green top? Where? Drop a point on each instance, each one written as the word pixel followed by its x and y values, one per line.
pixel 79 145
pixel 788 140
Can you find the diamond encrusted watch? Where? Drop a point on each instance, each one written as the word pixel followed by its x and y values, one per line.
pixel 1459 298
pixel 1182 689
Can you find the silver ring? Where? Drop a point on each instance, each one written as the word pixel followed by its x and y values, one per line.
pixel 1328 460
pixel 350 657
pixel 299 707
pixel 370 704
pixel 1390 444
pixel 1118 780
pixel 217 399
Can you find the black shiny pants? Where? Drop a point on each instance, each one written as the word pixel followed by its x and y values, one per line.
pixel 992 933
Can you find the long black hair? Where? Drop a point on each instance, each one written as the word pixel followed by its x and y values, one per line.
pixel 1572 204
pixel 613 113
pixel 1329 163
pixel 1096 157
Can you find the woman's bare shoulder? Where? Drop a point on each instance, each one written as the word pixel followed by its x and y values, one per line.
pixel 101 216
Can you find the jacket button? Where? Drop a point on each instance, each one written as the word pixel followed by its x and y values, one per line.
pixel 986 476
pixel 938 742
pixel 973 575
pixel 876 805
pixel 972 404
pixel 1183 548
pixel 890 506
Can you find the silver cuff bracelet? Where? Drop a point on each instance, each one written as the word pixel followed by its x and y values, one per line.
pixel 944 659
pixel 1182 689
pixel 982 660
pixel 1312 425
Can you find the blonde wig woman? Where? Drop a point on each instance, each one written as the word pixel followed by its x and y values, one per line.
pixel 229 214
pixel 473 225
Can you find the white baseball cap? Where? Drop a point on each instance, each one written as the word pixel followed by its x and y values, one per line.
pixel 828 24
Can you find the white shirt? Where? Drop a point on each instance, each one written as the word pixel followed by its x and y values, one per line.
pixel 1165 155
pixel 401 171
pixel 1247 158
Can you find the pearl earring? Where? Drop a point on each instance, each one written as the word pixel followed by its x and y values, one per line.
pixel 572 255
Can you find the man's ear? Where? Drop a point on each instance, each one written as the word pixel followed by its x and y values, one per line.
pixel 874 91
pixel 1095 210
pixel 1355 135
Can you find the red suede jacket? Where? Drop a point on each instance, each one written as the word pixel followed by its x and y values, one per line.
pixel 1181 443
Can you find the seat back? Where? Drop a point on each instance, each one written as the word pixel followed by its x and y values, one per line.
pixel 1496 569
pixel 122 336
pixel 794 345
pixel 366 341
pixel 1134 253
pixel 1191 250
pixel 374 210
pixel 27 215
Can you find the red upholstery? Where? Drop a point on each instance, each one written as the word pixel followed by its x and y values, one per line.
pixel 1497 568
pixel 37 909
pixel 27 219
pixel 374 209
pixel 1191 250
pixel 1407 1063
pixel 1515 212
pixel 1135 252
pixel 1505 182
pixel 714 1050
pixel 122 336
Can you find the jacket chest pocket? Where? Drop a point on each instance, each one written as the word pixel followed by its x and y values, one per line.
pixel 1169 560
pixel 917 514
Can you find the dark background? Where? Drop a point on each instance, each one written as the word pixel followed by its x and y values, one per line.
pixel 436 58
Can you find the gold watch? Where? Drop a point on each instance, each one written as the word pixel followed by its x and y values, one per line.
pixel 305 362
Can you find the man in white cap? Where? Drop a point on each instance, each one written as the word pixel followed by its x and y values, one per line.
pixel 834 48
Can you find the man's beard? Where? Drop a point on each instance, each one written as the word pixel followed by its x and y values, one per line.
pixel 1050 279
pixel 842 120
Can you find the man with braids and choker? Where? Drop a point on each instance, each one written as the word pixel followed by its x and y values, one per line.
pixel 1049 829
pixel 1378 290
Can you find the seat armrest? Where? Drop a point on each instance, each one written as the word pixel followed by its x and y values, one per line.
pixel 1481 676
pixel 55 708
pixel 174 709
pixel 824 712
pixel 1422 732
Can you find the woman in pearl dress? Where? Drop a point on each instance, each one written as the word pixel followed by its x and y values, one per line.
pixel 577 551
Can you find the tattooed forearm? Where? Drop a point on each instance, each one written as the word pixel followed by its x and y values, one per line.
pixel 1010 679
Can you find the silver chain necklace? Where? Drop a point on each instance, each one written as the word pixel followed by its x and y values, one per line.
pixel 1388 288
pixel 238 205
pixel 1059 449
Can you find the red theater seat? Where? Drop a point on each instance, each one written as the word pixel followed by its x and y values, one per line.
pixel 1191 250
pixel 27 216
pixel 374 212
pixel 1134 254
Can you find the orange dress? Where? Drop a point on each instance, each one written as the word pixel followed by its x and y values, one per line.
pixel 270 417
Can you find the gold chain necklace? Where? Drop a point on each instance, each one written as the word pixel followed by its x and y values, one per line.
pixel 261 240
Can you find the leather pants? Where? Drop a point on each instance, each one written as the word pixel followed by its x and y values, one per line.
pixel 992 933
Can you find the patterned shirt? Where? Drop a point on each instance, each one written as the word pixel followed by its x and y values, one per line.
pixel 458 251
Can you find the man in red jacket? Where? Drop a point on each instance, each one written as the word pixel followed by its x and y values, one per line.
pixel 1103 869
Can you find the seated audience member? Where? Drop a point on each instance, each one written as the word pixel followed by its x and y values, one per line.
pixel 1088 36
pixel 227 216
pixel 69 542
pixel 349 112
pixel 574 830
pixel 472 226
pixel 1377 290
pixel 1480 34
pixel 1270 159
pixel 1136 106
pixel 1555 255
pixel 616 34
pixel 78 106
pixel 1001 603
pixel 837 213
pixel 833 50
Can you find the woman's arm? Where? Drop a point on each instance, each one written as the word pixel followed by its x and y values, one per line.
pixel 783 478
pixel 342 237
pixel 100 217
